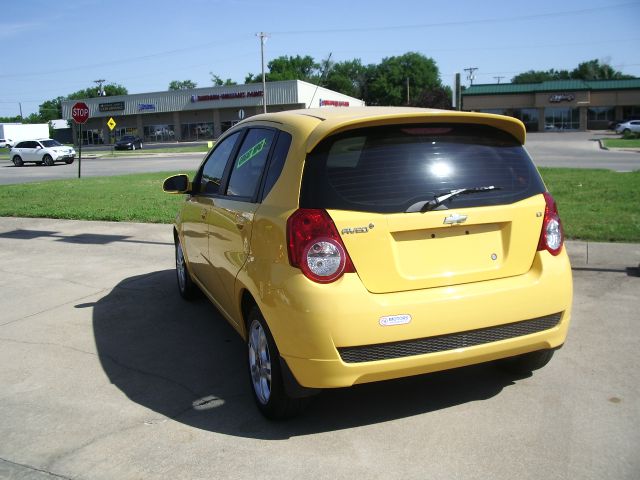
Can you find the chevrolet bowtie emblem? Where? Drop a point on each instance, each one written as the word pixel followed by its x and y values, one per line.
pixel 454 219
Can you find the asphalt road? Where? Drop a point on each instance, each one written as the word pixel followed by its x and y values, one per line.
pixel 106 373
pixel 100 167
pixel 579 150
pixel 550 149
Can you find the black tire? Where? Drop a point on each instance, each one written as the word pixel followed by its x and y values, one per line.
pixel 47 160
pixel 17 161
pixel 69 161
pixel 527 362
pixel 626 131
pixel 265 373
pixel 188 290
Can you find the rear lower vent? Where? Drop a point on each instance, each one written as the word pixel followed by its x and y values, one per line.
pixel 441 343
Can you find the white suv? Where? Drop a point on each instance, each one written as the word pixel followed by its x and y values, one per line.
pixel 43 151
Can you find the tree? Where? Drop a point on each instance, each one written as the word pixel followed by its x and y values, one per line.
pixel 537 76
pixel 349 77
pixel 182 85
pixel 591 70
pixel 51 109
pixel 110 90
pixel 594 70
pixel 436 97
pixel 388 85
pixel 289 68
pixel 218 82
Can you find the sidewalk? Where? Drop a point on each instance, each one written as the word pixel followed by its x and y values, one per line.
pixel 582 254
pixel 603 254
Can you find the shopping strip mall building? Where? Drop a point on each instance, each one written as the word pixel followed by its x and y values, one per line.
pixel 559 105
pixel 197 114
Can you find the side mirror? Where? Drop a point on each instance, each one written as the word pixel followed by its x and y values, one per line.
pixel 177 184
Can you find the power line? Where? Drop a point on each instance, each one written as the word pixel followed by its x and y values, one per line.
pixel 459 22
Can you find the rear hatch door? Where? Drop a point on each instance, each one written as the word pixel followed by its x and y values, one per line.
pixel 375 183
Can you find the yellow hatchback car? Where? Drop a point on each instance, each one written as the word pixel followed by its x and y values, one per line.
pixel 352 245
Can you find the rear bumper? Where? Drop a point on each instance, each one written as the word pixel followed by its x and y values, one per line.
pixel 314 325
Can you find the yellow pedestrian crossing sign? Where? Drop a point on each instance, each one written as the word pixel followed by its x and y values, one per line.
pixel 111 124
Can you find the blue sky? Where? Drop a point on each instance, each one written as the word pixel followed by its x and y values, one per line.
pixel 53 48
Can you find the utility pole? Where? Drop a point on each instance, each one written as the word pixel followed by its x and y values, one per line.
pixel 499 78
pixel 20 104
pixel 101 92
pixel 408 97
pixel 262 36
pixel 470 75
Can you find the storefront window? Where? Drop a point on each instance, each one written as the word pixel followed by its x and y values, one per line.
pixel 598 118
pixel 197 131
pixel 121 132
pixel 159 133
pixel 91 137
pixel 528 116
pixel 224 126
pixel 600 113
pixel 630 113
pixel 561 119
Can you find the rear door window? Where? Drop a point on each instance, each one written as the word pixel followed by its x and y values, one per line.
pixel 389 169
pixel 249 164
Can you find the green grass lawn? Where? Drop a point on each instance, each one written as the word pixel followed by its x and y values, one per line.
pixel 127 198
pixel 597 205
pixel 621 143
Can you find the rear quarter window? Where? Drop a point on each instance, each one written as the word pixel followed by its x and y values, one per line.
pixel 388 169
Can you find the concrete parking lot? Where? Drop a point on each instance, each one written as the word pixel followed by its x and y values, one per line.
pixel 106 373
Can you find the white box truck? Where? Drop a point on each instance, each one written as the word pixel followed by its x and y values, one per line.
pixel 11 133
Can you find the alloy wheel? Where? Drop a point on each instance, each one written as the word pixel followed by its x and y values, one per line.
pixel 260 362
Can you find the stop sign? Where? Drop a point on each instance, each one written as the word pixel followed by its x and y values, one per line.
pixel 80 112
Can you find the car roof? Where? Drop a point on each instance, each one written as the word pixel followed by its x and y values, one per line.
pixel 331 120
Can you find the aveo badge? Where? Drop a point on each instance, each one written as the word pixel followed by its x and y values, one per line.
pixel 392 320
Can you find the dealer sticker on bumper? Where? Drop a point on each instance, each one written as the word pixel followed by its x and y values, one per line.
pixel 391 320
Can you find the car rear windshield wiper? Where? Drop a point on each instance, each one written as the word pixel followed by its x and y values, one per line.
pixel 428 205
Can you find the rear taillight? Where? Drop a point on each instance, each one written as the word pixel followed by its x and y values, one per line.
pixel 551 236
pixel 315 247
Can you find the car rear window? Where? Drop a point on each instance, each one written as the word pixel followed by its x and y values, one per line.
pixel 388 169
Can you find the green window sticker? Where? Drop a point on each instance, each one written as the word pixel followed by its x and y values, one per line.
pixel 252 152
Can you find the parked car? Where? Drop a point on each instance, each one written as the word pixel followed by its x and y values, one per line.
pixel 356 245
pixel 629 126
pixel 129 142
pixel 43 151
pixel 6 142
